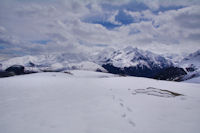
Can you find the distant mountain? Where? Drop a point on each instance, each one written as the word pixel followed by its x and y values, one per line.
pixel 128 61
pixel 191 64
pixel 134 62
pixel 184 70
pixel 53 62
pixel 192 59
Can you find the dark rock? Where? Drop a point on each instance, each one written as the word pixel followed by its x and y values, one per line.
pixel 16 69
pixel 98 70
pixel 30 64
pixel 191 68
pixel 112 69
pixel 6 74
pixel 171 73
pixel 132 71
pixel 141 71
pixel 1 67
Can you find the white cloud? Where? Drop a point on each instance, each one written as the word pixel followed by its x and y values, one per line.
pixel 61 24
pixel 174 28
pixel 112 18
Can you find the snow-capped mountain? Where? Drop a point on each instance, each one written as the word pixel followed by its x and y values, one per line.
pixel 53 62
pixel 130 56
pixel 133 61
pixel 191 64
pixel 192 59
pixel 128 61
pixel 174 58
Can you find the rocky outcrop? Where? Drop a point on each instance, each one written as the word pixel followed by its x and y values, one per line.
pixel 16 69
pixel 171 73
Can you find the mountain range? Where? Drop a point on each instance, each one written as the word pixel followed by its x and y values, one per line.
pixel 128 61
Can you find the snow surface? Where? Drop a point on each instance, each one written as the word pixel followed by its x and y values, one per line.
pixel 193 80
pixel 92 102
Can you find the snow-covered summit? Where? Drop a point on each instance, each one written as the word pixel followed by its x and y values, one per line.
pixel 134 57
pixel 132 61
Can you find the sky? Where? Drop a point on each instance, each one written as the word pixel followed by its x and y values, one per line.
pixel 32 27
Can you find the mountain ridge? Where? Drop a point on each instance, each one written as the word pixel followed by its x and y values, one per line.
pixel 127 61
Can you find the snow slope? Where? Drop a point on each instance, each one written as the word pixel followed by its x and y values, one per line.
pixel 92 102
pixel 53 62
pixel 193 80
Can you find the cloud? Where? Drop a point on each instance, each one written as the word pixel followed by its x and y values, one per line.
pixel 88 26
pixel 174 27
pixel 112 18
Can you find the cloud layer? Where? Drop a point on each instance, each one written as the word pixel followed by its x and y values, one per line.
pixel 72 26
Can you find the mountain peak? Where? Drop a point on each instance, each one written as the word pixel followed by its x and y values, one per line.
pixel 131 56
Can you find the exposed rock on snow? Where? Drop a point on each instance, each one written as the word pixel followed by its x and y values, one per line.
pixel 171 74
pixel 16 69
pixel 157 92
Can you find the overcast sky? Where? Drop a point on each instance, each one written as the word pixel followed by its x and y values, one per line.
pixel 82 26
